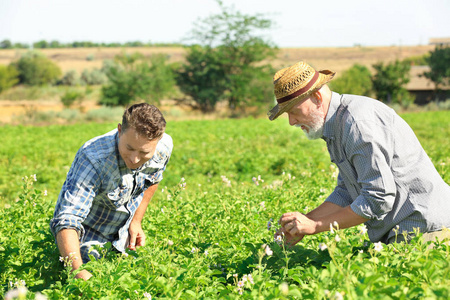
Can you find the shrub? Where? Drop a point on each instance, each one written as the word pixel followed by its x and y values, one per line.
pixel 8 77
pixel 357 81
pixel 136 78
pixel 71 78
pixel 93 77
pixel 70 96
pixel 36 69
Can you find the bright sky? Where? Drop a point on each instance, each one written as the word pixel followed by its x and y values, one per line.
pixel 313 23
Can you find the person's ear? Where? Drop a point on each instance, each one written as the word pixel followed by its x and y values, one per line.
pixel 318 98
pixel 119 128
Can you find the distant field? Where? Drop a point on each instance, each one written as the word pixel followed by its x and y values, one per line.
pixel 336 59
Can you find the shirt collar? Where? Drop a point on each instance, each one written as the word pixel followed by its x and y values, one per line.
pixel 335 102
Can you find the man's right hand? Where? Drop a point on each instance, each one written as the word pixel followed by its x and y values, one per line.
pixel 84 274
pixel 289 239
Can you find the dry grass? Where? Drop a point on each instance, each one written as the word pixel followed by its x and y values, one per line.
pixel 79 59
pixel 336 59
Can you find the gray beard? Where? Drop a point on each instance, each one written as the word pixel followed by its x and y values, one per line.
pixel 315 130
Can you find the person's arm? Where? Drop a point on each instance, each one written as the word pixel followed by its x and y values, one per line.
pixel 137 235
pixel 69 248
pixel 298 225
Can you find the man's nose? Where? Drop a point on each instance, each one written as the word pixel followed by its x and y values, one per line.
pixel 134 157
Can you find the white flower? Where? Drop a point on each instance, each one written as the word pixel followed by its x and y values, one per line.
pixel 240 284
pixel 34 177
pixel 194 250
pixel 148 296
pixel 170 243
pixel 322 246
pixel 45 192
pixel 331 228
pixel 268 251
pixel 362 229
pixel 378 246
pixel 337 238
pixel 182 179
pixel 19 292
pixel 206 252
pixel 336 225
pixel 284 288
pixel 250 278
pixel 278 239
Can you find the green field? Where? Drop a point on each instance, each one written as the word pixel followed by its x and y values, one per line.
pixel 204 239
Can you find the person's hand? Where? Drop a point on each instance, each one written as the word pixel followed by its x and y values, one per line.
pixel 137 235
pixel 289 239
pixel 295 226
pixel 83 274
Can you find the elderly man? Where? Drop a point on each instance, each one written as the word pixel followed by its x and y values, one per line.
pixel 386 179
pixel 109 186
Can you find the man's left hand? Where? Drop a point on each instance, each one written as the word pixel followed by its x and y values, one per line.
pixel 137 235
pixel 297 224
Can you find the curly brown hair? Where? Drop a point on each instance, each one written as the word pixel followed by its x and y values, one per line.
pixel 146 119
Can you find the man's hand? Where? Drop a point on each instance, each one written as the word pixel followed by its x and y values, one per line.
pixel 295 226
pixel 289 239
pixel 137 235
pixel 84 274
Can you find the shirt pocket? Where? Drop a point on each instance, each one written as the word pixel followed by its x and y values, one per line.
pixel 350 177
pixel 118 196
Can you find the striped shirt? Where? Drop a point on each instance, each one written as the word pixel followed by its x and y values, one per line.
pixel 384 173
pixel 101 195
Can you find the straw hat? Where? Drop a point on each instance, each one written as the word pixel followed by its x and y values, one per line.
pixel 294 84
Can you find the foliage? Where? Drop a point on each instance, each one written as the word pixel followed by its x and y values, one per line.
pixel 8 77
pixel 34 68
pixel 207 234
pixel 439 62
pixel 71 78
pixel 93 77
pixel 417 60
pixel 227 63
pixel 389 81
pixel 71 95
pixel 357 81
pixel 135 78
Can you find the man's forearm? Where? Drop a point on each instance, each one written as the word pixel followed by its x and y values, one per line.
pixel 140 211
pixel 344 216
pixel 69 246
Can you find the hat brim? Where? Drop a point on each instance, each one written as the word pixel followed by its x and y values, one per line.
pixel 325 76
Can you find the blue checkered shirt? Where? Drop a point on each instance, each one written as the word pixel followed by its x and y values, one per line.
pixel 384 173
pixel 101 195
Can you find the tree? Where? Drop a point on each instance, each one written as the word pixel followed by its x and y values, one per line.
pixel 357 81
pixel 34 68
pixel 8 77
pixel 5 44
pixel 226 63
pixel 134 77
pixel 439 62
pixel 389 82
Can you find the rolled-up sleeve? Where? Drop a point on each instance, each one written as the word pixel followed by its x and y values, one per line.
pixel 76 196
pixel 340 196
pixel 370 152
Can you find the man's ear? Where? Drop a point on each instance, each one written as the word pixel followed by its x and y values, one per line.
pixel 317 98
pixel 119 128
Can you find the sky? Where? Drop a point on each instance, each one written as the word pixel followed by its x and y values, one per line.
pixel 297 23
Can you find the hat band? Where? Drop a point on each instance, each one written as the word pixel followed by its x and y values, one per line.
pixel 300 91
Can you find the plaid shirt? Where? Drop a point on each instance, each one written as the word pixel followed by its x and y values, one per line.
pixel 384 173
pixel 101 195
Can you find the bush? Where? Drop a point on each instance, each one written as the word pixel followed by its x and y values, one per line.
pixel 71 78
pixel 357 81
pixel 8 77
pixel 136 78
pixel 36 69
pixel 69 98
pixel 94 77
